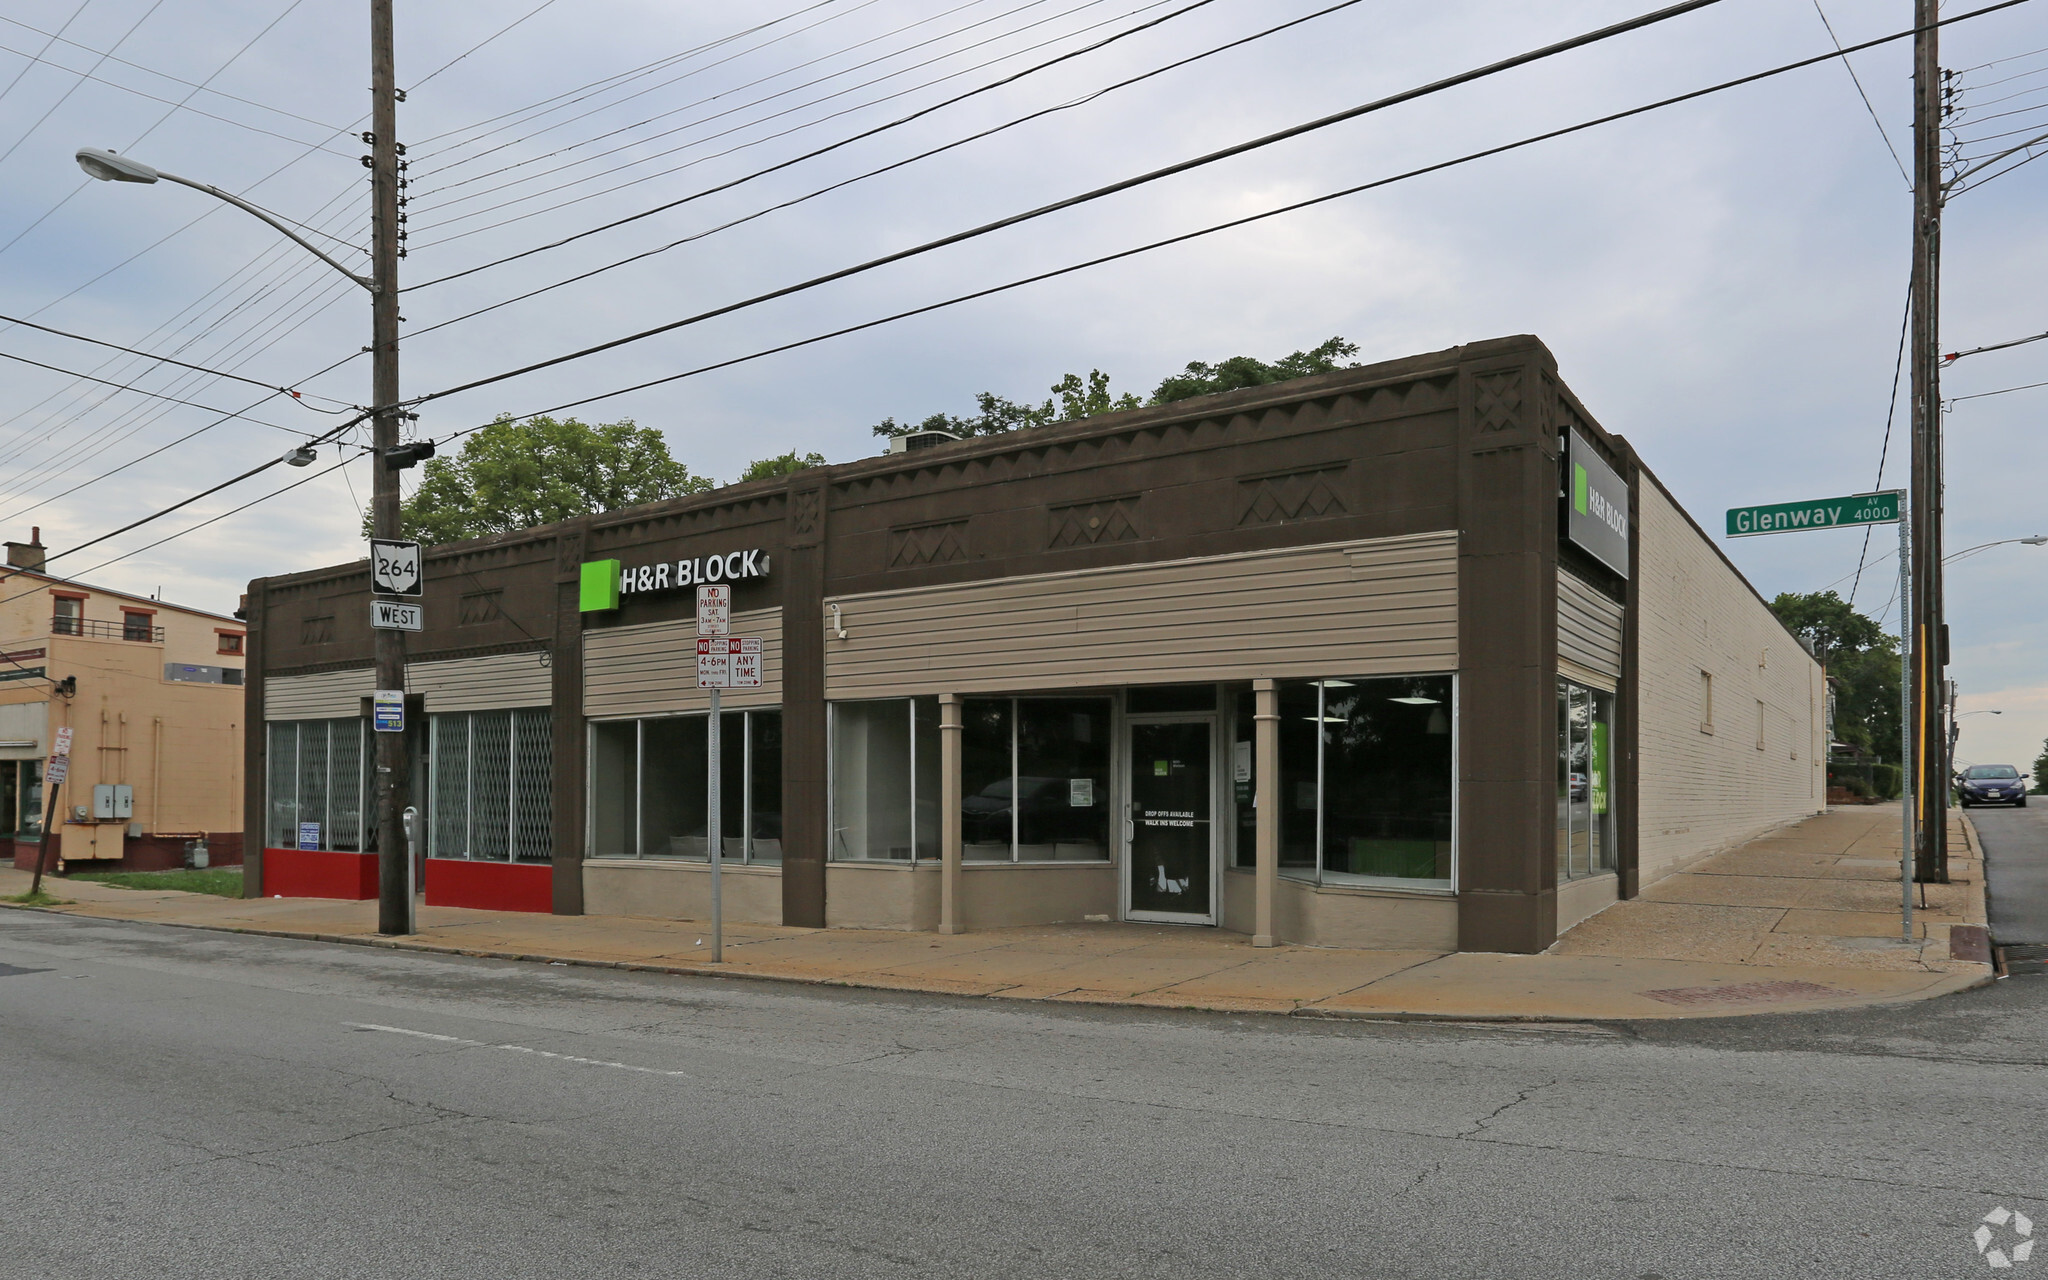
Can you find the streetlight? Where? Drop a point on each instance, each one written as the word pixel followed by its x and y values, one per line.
pixel 394 894
pixel 109 167
pixel 2038 539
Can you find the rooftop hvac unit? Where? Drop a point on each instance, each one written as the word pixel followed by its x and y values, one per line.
pixel 919 440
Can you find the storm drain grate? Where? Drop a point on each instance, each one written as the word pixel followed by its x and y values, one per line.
pixel 1745 993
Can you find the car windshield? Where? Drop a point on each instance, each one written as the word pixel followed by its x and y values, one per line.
pixel 1992 771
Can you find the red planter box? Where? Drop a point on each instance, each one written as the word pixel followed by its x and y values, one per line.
pixel 490 886
pixel 319 873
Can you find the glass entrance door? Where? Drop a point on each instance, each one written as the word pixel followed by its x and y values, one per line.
pixel 1171 864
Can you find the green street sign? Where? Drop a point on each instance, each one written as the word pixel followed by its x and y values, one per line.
pixel 1821 513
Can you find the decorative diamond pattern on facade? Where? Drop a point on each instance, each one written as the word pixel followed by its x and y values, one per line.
pixel 1304 495
pixel 805 508
pixel 927 544
pixel 316 630
pixel 1497 400
pixel 1114 520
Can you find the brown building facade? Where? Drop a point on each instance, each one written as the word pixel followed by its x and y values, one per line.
pixel 1352 660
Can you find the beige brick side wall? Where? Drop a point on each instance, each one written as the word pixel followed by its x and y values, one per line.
pixel 1707 787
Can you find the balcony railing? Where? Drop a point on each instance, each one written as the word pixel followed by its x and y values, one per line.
pixel 65 625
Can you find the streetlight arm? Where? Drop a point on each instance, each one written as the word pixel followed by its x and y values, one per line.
pixel 281 228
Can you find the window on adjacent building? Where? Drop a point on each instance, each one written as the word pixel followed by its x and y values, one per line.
pixel 66 613
pixel 1706 702
pixel 21 797
pixel 489 785
pixel 318 785
pixel 1760 725
pixel 650 787
pixel 1034 779
pixel 1585 781
pixel 885 780
pixel 137 626
pixel 230 642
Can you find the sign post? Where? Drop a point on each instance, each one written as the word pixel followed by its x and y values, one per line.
pixel 714 620
pixel 1884 507
pixel 54 773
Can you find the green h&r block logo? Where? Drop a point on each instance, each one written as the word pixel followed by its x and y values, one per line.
pixel 1579 488
pixel 600 586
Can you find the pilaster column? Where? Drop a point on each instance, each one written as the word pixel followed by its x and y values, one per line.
pixel 1266 806
pixel 949 813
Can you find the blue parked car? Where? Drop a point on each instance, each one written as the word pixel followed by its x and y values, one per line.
pixel 1992 784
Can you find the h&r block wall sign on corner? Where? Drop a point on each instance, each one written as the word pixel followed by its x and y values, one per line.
pixel 1820 513
pixel 387 710
pixel 598 589
pixel 1596 507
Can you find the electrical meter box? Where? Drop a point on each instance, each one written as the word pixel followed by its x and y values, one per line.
pixel 113 801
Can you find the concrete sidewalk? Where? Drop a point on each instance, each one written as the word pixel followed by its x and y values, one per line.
pixel 1805 918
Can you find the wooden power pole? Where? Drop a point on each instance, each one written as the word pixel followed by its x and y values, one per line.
pixel 1924 737
pixel 394 891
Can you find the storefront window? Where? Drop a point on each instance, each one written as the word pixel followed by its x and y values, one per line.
pixel 21 796
pixel 1585 781
pixel 1034 779
pixel 649 781
pixel 489 785
pixel 1365 786
pixel 317 784
pixel 885 780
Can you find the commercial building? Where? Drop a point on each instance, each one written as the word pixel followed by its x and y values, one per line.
pixel 1410 655
pixel 152 694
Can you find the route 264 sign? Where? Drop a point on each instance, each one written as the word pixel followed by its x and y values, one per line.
pixel 394 568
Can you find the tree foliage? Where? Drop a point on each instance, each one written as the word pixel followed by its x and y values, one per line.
pixel 781 464
pixel 2041 771
pixel 1862 664
pixel 517 474
pixel 1076 397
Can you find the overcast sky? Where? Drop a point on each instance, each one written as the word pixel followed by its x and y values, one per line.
pixel 1721 281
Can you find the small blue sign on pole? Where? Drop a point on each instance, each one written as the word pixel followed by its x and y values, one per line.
pixel 387 710
pixel 309 835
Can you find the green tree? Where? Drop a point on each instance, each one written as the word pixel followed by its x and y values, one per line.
pixel 1862 664
pixel 1076 397
pixel 782 464
pixel 2041 772
pixel 517 474
pixel 1238 372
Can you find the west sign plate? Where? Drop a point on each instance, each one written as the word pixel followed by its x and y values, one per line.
pixel 390 615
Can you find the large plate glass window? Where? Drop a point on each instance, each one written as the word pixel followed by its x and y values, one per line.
pixel 885 780
pixel 21 797
pixel 1585 781
pixel 317 784
pixel 1367 773
pixel 650 787
pixel 490 785
pixel 1034 779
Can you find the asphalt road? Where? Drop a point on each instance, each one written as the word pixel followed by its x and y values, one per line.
pixel 179 1103
pixel 2016 873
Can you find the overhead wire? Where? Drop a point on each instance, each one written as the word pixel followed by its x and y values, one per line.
pixel 218 373
pixel 66 95
pixel 1184 237
pixel 1891 409
pixel 1071 104
pixel 1867 105
pixel 479 44
pixel 796 128
pixel 2003 391
pixel 46 48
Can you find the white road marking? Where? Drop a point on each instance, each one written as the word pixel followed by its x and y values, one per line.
pixel 516 1048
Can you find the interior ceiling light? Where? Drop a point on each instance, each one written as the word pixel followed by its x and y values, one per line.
pixel 1416 702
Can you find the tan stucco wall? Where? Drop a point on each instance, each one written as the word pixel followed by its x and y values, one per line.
pixel 999 897
pixel 681 890
pixel 881 895
pixel 1307 916
pixel 1700 791
pixel 1579 900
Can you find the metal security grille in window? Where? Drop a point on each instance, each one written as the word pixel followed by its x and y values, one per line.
pixel 885 780
pixel 1034 779
pixel 489 780
pixel 317 776
pixel 1367 781
pixel 650 787
pixel 1585 781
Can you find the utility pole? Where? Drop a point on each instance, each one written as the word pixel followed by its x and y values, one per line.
pixel 394 772
pixel 1921 735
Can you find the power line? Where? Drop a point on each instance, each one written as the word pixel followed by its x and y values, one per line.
pixel 1858 82
pixel 480 44
pixel 79 337
pixel 1126 184
pixel 1891 409
pixel 1954 356
pixel 1171 240
pixel 923 155
pixel 157 395
pixel 66 96
pixel 2003 391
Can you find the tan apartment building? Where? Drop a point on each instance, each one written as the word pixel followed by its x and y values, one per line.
pixel 152 693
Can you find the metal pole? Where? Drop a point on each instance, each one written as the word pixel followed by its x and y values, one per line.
pixel 35 884
pixel 1906 825
pixel 714 840
pixel 394 900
